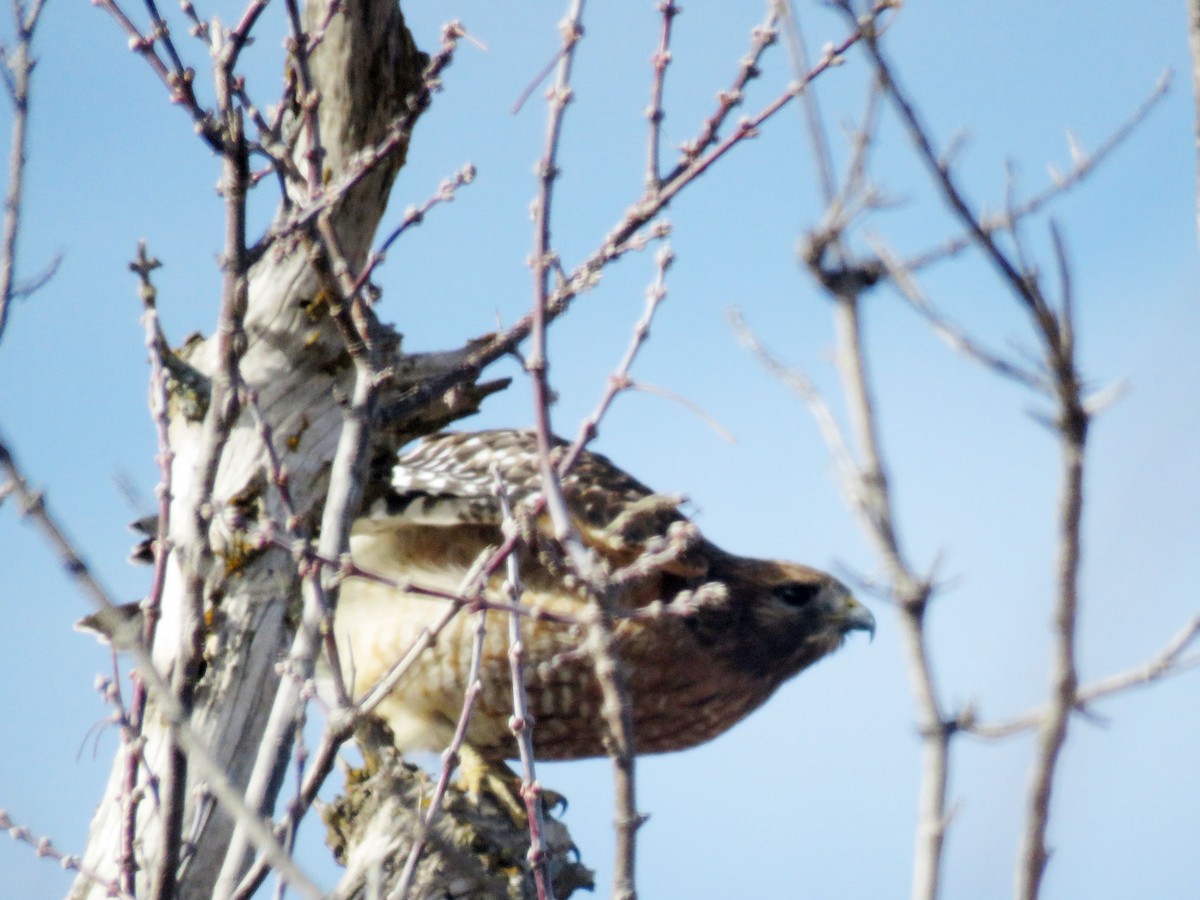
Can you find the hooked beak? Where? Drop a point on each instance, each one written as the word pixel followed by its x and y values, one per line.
pixel 857 617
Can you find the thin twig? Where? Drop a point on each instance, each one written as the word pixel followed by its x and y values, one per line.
pixel 621 238
pixel 450 757
pixel 600 636
pixel 1055 331
pixel 143 266
pixel 654 112
pixel 818 136
pixel 206 766
pixel 802 386
pixel 939 169
pixel 177 78
pixel 239 36
pixel 1166 663
pixel 43 846
pixel 345 567
pixel 543 260
pixel 537 79
pixel 17 68
pixel 414 215
pixel 320 766
pixel 300 543
pixel 220 419
pixel 620 380
pixel 162 34
pixel 522 723
pixel 863 470
pixel 306 97
pixel 870 495
pixel 368 159
pixel 1082 165
pixel 1057 334
pixel 955 337
pixel 761 37
pixel 657 390
pixel 300 764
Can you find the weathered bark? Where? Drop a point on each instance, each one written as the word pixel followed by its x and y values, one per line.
pixel 474 850
pixel 366 70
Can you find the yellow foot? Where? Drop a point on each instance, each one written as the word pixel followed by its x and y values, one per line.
pixel 479 774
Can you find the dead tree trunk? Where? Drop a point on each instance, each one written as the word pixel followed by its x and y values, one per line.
pixel 288 353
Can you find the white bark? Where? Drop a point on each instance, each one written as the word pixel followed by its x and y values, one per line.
pixel 364 69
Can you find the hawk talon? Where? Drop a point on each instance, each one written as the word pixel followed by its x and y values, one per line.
pixel 479 775
pixel 553 803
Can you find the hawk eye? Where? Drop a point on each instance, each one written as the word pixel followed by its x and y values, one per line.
pixel 794 593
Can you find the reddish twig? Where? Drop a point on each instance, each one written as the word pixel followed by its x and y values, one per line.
pixel 414 215
pixel 156 347
pixel 620 239
pixel 600 641
pixel 307 98
pixel 206 766
pixel 219 421
pixel 522 722
pixel 620 380
pixel 654 112
pixel 176 77
pixel 43 846
pixel 450 757
pixel 761 37
pixel 366 160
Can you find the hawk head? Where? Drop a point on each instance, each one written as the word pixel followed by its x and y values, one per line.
pixel 776 618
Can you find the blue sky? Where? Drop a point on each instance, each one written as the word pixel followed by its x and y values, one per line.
pixel 814 795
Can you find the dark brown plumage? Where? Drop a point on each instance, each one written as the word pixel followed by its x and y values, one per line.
pixel 706 636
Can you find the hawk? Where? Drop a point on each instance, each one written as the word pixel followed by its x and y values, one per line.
pixel 705 636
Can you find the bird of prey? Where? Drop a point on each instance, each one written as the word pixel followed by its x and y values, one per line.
pixel 704 636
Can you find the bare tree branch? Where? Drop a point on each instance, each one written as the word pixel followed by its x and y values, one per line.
pixel 269 429
pixel 143 266
pixel 654 112
pixel 43 846
pixel 181 732
pixel 265 329
pixel 450 756
pixel 176 77
pixel 17 68
pixel 1072 422
pixel 600 641
pixel 1166 663
pixel 955 337
pixel 522 722
pixel 1082 165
